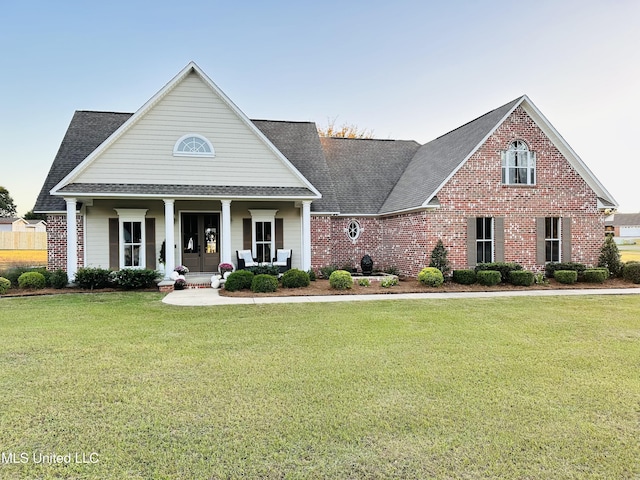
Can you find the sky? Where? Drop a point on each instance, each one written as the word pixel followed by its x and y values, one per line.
pixel 410 70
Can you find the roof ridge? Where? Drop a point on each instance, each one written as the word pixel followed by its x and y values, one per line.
pixel 479 117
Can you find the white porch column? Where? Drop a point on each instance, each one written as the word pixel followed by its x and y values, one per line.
pixel 169 242
pixel 306 235
pixel 72 238
pixel 226 232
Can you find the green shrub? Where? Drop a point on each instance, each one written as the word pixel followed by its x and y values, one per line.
pixel 133 278
pixel 521 278
pixel 551 267
pixel 595 275
pixel 568 277
pixel 610 257
pixel 59 279
pixel 505 268
pixel 93 278
pixel 14 273
pixel 631 272
pixel 340 280
pixel 488 278
pixel 364 282
pixel 265 270
pixel 295 278
pixel 312 274
pixel 32 280
pixel 239 280
pixel 328 270
pixel 540 279
pixel 431 276
pixel 439 258
pixel 5 285
pixel 263 283
pixel 464 277
pixel 389 282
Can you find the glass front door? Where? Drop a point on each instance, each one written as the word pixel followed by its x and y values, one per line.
pixel 201 241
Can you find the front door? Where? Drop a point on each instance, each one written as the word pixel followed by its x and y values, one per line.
pixel 200 241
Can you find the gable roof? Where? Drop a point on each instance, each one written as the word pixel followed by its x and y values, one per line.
pixel 435 162
pixel 129 123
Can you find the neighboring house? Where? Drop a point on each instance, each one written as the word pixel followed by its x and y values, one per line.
pixel 13 224
pixel 190 170
pixel 624 226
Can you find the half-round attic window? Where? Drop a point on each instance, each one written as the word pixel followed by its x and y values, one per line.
pixel 193 145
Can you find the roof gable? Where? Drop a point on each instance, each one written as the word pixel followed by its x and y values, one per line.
pixel 140 151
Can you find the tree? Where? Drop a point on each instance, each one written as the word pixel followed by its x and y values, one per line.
pixel 345 131
pixel 34 216
pixel 610 257
pixel 439 258
pixel 7 207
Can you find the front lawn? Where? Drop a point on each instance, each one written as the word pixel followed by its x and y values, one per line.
pixel 484 388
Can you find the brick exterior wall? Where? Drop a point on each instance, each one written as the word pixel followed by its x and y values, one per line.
pixel 57 241
pixel 476 190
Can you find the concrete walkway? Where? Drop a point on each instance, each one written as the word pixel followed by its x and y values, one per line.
pixel 210 296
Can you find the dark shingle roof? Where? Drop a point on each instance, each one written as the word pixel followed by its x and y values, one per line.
pixel 299 142
pixel 86 132
pixel 624 220
pixel 364 171
pixel 186 190
pixel 436 160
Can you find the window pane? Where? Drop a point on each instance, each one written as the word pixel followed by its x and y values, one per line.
pixel 136 255
pixel 137 232
pixel 126 231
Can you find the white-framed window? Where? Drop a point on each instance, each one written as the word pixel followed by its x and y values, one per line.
pixel 553 239
pixel 518 165
pixel 353 230
pixel 132 237
pixel 263 234
pixel 484 240
pixel 193 145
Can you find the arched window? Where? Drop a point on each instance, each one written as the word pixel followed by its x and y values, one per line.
pixel 518 165
pixel 193 145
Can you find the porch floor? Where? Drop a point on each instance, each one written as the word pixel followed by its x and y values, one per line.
pixel 199 279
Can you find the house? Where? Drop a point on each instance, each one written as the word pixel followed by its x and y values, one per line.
pixel 624 226
pixel 191 172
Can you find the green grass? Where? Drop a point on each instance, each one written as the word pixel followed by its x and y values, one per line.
pixel 630 252
pixel 544 388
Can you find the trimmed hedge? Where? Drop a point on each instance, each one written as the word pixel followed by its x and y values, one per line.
pixel 340 280
pixel 631 272
pixel 431 276
pixel 488 278
pixel 93 278
pixel 5 285
pixel 551 267
pixel 568 277
pixel 505 268
pixel 263 283
pixel 595 275
pixel 14 273
pixel 295 278
pixel 239 280
pixel 133 278
pixel 32 280
pixel 59 279
pixel 464 277
pixel 521 278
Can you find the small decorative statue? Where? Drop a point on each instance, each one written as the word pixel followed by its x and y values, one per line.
pixel 367 265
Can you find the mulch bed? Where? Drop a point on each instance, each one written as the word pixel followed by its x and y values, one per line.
pixel 411 285
pixel 321 287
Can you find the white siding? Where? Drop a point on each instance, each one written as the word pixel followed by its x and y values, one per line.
pixel 144 154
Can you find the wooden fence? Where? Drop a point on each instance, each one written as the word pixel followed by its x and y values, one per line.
pixel 23 241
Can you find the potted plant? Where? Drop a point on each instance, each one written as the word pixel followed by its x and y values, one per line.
pixel 225 268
